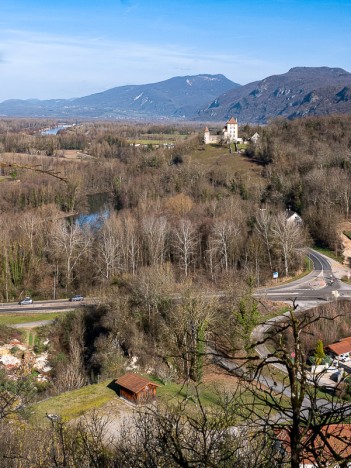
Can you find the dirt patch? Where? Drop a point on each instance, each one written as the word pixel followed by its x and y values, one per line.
pixel 220 377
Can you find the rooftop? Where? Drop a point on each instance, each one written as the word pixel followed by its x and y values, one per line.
pixel 341 347
pixel 134 382
pixel 331 438
pixel 232 121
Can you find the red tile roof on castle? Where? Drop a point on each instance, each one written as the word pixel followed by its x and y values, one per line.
pixel 231 121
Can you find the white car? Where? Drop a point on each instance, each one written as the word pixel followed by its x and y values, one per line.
pixel 76 298
pixel 26 301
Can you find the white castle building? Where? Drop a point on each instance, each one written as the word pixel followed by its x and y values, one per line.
pixel 228 134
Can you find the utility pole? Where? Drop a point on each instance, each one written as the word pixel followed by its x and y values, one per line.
pixel 55 276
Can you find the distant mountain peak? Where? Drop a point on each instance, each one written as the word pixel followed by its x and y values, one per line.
pixel 314 70
pixel 177 97
pixel 302 91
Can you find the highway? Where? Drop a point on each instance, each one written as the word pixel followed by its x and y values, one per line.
pixel 60 305
pixel 319 285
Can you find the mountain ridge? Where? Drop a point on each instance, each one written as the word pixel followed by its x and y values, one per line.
pixel 302 91
pixel 177 97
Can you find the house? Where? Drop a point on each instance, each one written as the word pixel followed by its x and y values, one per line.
pixel 136 389
pixel 329 440
pixel 341 350
pixel 255 137
pixel 292 217
pixel 228 134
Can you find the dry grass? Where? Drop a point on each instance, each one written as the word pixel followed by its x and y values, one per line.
pixel 218 157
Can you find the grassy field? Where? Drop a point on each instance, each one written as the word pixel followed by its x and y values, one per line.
pixel 158 139
pixel 329 253
pixel 73 404
pixel 15 319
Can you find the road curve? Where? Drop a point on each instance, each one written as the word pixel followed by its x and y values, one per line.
pixel 317 287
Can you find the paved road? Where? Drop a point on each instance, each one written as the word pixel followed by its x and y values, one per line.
pixel 310 291
pixel 39 307
pixel 319 285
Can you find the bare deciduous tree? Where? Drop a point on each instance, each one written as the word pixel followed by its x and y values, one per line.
pixel 155 230
pixel 224 236
pixel 184 243
pixel 109 248
pixel 70 244
pixel 289 238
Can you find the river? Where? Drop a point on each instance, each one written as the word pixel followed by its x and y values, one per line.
pixel 55 130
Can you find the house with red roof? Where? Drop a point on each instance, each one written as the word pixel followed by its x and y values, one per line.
pixel 136 389
pixel 329 445
pixel 341 350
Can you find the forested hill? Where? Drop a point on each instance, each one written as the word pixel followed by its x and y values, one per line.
pixel 302 91
pixel 178 97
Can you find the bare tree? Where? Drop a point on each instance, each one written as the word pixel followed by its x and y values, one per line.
pixel 70 244
pixel 186 434
pixel 263 227
pixel 155 230
pixel 289 239
pixel 188 327
pixel 224 236
pixel 288 407
pixel 109 248
pixel 184 243
pixel 131 244
pixel 71 375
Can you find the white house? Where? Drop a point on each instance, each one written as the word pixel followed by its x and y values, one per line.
pixel 255 137
pixel 292 217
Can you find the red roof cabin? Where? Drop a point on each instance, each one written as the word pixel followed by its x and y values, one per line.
pixel 136 389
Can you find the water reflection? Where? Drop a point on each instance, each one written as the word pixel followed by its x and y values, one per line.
pixel 93 221
pixel 99 209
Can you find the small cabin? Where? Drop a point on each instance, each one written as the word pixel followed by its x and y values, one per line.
pixel 136 389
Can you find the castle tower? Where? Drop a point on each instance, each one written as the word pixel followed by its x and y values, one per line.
pixel 206 136
pixel 232 129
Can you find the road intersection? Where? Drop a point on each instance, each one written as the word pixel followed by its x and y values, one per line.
pixel 322 284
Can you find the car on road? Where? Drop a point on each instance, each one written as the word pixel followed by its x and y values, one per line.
pixel 26 301
pixel 76 298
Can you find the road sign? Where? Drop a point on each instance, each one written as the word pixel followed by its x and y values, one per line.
pixel 275 275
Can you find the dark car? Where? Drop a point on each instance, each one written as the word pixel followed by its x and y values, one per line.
pixel 76 298
pixel 26 301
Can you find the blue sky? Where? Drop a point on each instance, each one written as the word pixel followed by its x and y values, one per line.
pixel 73 48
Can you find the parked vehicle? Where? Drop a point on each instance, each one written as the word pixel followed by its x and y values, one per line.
pixel 76 298
pixel 26 301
